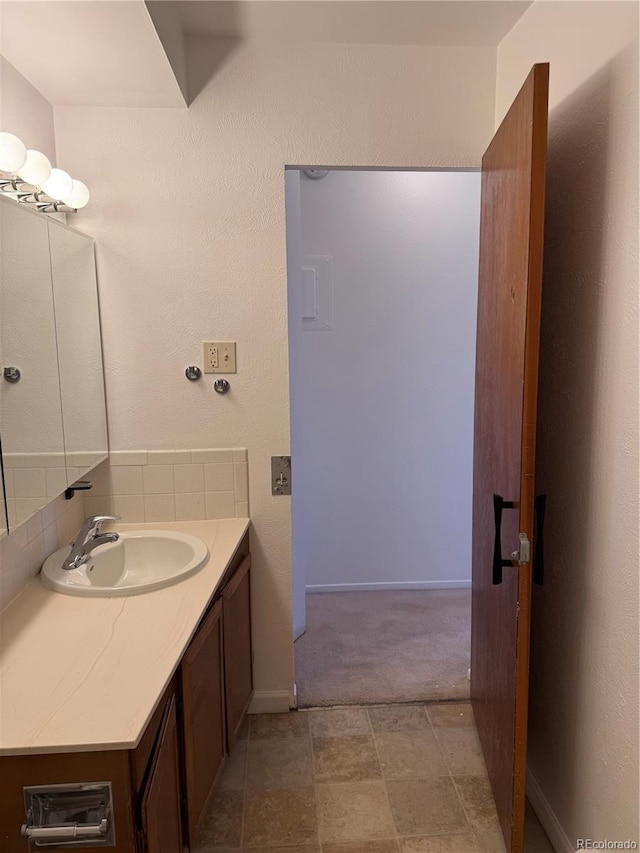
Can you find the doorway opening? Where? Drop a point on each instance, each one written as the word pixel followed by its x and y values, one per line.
pixel 382 289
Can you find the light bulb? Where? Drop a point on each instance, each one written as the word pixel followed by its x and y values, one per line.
pixel 78 197
pixel 12 152
pixel 58 184
pixel 37 168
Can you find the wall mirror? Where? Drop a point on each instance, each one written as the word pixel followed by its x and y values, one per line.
pixel 52 407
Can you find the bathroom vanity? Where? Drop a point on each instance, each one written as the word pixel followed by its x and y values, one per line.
pixel 144 695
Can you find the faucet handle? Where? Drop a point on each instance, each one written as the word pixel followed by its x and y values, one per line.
pixel 96 522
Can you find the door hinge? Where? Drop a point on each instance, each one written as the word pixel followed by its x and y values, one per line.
pixel 523 554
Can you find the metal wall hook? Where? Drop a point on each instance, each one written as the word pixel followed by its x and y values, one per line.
pixel 221 386
pixel 12 374
pixel 193 373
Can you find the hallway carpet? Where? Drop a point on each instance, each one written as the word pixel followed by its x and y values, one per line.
pixel 383 647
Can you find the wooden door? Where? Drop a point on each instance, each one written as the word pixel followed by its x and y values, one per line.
pixel 201 674
pixel 509 291
pixel 160 805
pixel 238 656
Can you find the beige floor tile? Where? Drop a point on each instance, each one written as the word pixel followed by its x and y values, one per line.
pixel 243 733
pixel 462 751
pixel 345 759
pixel 352 811
pixel 490 842
pixel 465 843
pixel 451 715
pixel 336 722
pixel 234 773
pixel 475 795
pixel 285 817
pixel 398 718
pixel 410 755
pixel 293 724
pixel 426 806
pixel 299 848
pixel 279 763
pixel 221 825
pixel 388 846
pixel 536 840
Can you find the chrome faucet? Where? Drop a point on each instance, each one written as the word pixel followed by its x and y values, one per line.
pixel 89 537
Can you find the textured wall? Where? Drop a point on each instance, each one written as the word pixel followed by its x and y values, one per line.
pixel 584 667
pixel 189 219
pixel 384 405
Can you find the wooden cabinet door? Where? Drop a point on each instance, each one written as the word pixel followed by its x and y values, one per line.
pixel 238 657
pixel 160 805
pixel 201 674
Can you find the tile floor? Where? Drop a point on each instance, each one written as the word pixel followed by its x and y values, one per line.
pixel 386 779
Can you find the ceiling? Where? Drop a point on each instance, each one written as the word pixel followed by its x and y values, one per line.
pixel 132 53
pixel 99 53
pixel 457 22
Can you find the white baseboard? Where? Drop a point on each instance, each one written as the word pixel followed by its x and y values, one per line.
pixel 372 587
pixel 547 817
pixel 271 702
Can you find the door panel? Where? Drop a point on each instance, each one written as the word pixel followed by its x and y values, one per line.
pixel 509 289
pixel 203 714
pixel 160 807
pixel 238 655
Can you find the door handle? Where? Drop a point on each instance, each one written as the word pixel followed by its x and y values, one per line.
pixel 498 505
pixel 540 504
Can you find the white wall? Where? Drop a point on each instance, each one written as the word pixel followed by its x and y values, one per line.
pixel 188 214
pixel 382 416
pixel 583 750
pixel 24 111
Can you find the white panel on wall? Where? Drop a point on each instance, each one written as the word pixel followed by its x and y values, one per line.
pixel 382 412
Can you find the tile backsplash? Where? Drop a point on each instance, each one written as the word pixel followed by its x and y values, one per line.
pixel 171 485
pixel 23 552
pixel 33 479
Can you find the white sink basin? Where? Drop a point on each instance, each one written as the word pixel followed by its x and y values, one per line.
pixel 140 561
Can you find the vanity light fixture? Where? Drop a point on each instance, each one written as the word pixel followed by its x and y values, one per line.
pixel 27 176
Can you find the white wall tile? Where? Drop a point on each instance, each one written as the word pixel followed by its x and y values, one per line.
pixel 98 505
pixel 34 527
pixel 220 505
pixel 29 483
pixel 130 507
pixel 55 481
pixel 169 457
pixel 8 482
pixel 218 477
pixel 158 479
pixel 50 539
pixel 127 479
pixel 212 456
pixel 102 481
pixel 242 509
pixel 128 457
pixel 159 508
pixel 190 507
pixel 44 460
pixel 188 478
pixel 241 480
pixel 14 460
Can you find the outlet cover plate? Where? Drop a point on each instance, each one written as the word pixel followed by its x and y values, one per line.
pixel 219 356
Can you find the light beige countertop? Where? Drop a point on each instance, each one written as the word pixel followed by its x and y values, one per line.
pixel 84 674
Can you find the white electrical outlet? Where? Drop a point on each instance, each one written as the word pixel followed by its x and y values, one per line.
pixel 219 356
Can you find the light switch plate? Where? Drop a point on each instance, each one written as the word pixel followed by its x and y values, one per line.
pixel 219 356
pixel 280 475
